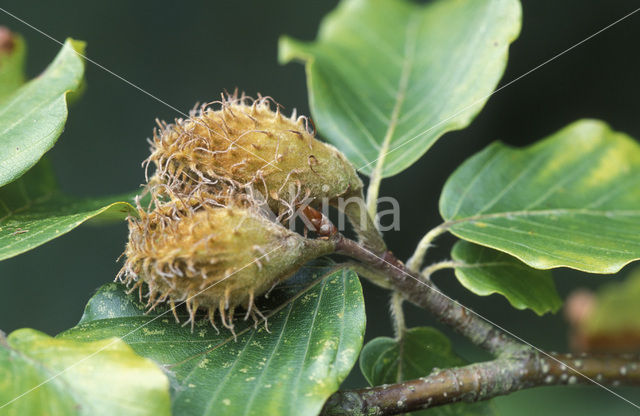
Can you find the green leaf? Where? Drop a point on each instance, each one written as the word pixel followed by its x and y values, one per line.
pixel 570 200
pixel 34 211
pixel 316 335
pixel 32 117
pixel 12 67
pixel 390 74
pixel 615 312
pixel 485 271
pixel 49 376
pixel 386 360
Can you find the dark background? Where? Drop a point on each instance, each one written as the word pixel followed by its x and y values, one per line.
pixel 191 51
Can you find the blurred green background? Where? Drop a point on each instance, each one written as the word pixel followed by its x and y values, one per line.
pixel 190 51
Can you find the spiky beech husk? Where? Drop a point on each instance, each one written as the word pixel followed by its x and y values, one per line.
pixel 212 258
pixel 243 144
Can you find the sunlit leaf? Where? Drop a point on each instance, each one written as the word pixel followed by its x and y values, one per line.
pixel 40 375
pixel 387 78
pixel 570 200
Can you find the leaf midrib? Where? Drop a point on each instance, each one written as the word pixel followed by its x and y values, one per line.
pixel 306 351
pixel 267 364
pixel 274 312
pixel 53 222
pixel 53 374
pixel 488 264
pixel 29 204
pixel 547 212
pixel 221 384
pixel 403 84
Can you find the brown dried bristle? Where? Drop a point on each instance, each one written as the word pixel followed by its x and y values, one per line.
pixel 218 154
pixel 206 239
pixel 214 258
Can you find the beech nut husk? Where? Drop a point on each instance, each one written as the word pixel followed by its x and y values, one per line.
pixel 214 258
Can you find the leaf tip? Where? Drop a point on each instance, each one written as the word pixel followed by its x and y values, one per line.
pixel 79 46
pixel 290 49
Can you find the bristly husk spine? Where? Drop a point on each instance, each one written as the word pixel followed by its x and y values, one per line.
pixel 208 237
pixel 246 144
pixel 246 148
pixel 213 258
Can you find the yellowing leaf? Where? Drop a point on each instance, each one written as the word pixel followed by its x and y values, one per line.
pixel 571 200
pixel 40 375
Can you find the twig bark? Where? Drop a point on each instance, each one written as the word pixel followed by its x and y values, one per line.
pixel 516 367
pixel 427 296
pixel 483 381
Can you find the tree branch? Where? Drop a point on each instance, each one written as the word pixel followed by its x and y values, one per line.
pixel 516 367
pixel 427 296
pixel 483 381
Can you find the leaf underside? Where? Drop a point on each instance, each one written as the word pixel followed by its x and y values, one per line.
pixel 570 200
pixel 316 335
pixel 34 211
pixel 387 78
pixel 485 271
